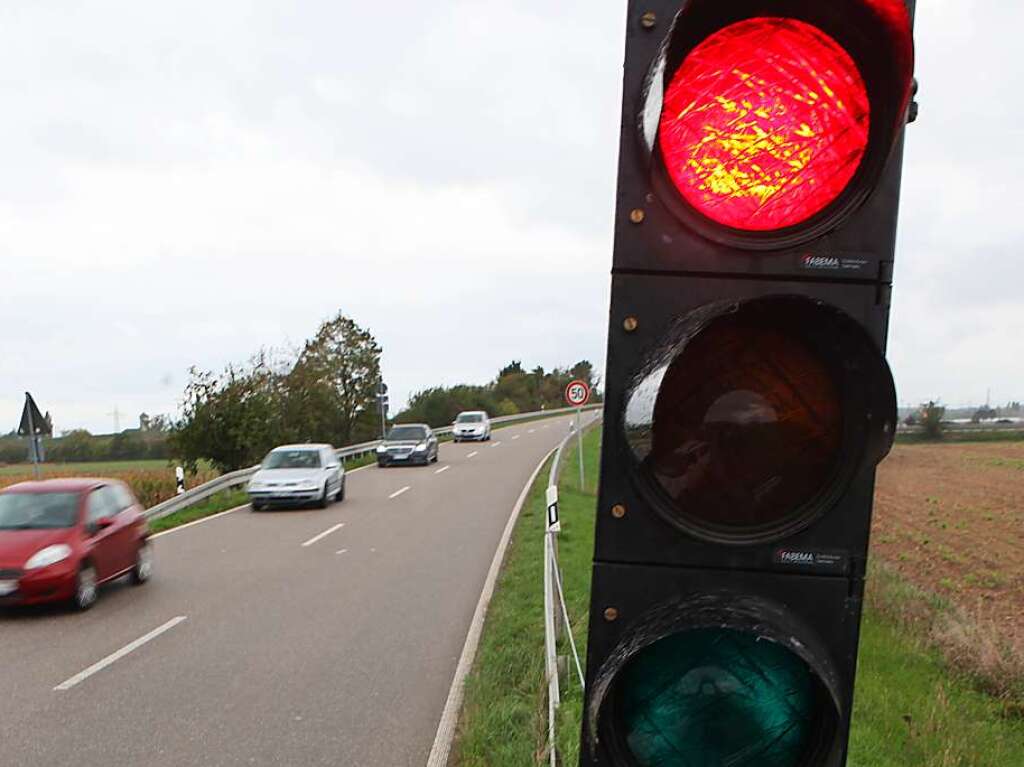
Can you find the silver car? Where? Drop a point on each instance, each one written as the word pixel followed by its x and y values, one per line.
pixel 295 475
pixel 472 424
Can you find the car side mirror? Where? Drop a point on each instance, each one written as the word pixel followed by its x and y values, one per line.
pixel 103 523
pixel 331 466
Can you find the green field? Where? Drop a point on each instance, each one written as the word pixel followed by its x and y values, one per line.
pixel 87 469
pixel 911 710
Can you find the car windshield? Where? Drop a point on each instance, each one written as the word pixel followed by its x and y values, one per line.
pixel 406 433
pixel 38 511
pixel 292 459
pixel 469 418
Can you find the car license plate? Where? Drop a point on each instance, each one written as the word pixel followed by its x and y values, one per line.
pixel 8 587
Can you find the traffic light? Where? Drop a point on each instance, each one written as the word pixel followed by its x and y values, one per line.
pixel 748 400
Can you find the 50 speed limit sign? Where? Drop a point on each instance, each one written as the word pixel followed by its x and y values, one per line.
pixel 577 393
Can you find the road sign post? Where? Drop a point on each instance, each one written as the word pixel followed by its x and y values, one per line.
pixel 577 394
pixel 382 405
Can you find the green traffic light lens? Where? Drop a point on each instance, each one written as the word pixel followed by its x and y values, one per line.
pixel 717 698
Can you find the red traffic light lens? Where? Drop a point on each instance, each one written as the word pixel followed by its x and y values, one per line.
pixel 764 124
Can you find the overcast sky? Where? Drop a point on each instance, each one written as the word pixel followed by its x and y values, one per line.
pixel 183 183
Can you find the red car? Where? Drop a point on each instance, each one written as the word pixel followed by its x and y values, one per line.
pixel 60 539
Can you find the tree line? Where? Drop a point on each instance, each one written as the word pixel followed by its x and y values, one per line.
pixel 323 391
pixel 79 445
pixel 515 390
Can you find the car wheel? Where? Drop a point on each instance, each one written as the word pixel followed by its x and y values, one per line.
pixel 324 499
pixel 341 493
pixel 143 569
pixel 256 506
pixel 381 464
pixel 85 588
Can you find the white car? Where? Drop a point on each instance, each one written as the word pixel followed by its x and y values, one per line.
pixel 472 425
pixel 294 475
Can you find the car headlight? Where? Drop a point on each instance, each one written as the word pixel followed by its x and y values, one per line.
pixel 420 447
pixel 381 449
pixel 51 555
pixel 255 485
pixel 308 484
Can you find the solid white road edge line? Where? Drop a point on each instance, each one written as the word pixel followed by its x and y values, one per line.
pixel 324 534
pixel 200 521
pixel 399 492
pixel 442 470
pixel 224 513
pixel 450 716
pixel 116 656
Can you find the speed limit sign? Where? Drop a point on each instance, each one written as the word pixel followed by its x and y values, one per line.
pixel 577 393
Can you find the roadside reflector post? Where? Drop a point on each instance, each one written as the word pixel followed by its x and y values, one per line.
pixel 179 476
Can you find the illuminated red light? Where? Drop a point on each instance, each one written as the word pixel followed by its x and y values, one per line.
pixel 764 124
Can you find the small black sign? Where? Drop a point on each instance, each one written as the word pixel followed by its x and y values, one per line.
pixel 32 421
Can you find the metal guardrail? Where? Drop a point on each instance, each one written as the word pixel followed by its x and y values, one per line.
pixel 555 611
pixel 238 478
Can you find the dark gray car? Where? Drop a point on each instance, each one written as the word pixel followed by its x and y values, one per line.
pixel 410 443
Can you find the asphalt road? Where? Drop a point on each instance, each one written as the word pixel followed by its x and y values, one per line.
pixel 311 637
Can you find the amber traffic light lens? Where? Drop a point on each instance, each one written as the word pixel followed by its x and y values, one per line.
pixel 741 429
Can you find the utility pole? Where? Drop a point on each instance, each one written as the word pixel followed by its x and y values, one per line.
pixel 117 420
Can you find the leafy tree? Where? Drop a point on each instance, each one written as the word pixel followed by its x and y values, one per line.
pixel 232 419
pixel 931 420
pixel 333 382
pixel 439 405
pixel 126 446
pixel 327 393
pixel 76 446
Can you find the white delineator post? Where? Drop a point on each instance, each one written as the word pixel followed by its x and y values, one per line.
pixel 179 476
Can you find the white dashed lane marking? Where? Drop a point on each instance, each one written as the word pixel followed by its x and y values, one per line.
pixel 442 470
pixel 496 444
pixel 116 656
pixel 516 436
pixel 399 492
pixel 324 534
pixel 475 452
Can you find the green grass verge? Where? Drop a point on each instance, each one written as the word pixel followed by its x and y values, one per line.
pixel 215 504
pixel 911 709
pixel 504 719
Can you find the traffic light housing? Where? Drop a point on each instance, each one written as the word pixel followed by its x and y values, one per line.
pixel 747 397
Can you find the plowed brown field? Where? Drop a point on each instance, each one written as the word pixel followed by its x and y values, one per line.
pixel 950 518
